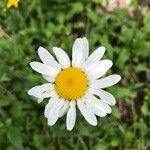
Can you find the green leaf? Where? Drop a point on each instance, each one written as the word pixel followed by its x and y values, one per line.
pixel 4 102
pixel 14 137
pixel 129 136
pixel 115 112
pixel 124 55
pixel 147 22
pixel 114 142
pixel 76 8
pixel 145 110
pixel 122 92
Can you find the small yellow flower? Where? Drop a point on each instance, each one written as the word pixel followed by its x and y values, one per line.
pixel 11 3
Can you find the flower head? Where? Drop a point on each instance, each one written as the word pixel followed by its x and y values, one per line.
pixel 11 3
pixel 77 82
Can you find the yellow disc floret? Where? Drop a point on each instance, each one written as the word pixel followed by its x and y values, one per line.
pixel 11 3
pixel 71 83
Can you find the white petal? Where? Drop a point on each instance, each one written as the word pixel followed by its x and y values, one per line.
pixel 85 47
pixel 64 109
pixel 44 69
pixel 86 112
pixel 105 96
pixel 95 56
pixel 40 100
pixel 45 56
pixel 41 91
pixel 54 112
pixel 106 107
pixel 80 51
pixel 48 59
pixel 106 82
pixel 101 104
pixel 48 78
pixel 96 109
pixel 62 57
pixel 98 69
pixel 50 104
pixel 53 93
pixel 71 116
pixel 39 88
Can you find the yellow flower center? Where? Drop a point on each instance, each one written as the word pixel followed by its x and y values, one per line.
pixel 71 83
pixel 11 3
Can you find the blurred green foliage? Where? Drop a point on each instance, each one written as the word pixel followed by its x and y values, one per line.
pixel 58 23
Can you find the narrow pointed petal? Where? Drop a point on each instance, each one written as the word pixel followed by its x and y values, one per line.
pixel 54 112
pixel 71 116
pixel 48 59
pixel 48 78
pixel 50 104
pixel 105 96
pixel 62 57
pixel 96 109
pixel 98 69
pixel 80 52
pixel 102 105
pixel 45 56
pixel 95 56
pixel 87 113
pixel 86 47
pixel 64 109
pixel 43 69
pixel 106 107
pixel 106 82
pixel 39 100
pixel 41 91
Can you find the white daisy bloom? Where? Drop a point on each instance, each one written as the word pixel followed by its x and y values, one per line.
pixel 76 83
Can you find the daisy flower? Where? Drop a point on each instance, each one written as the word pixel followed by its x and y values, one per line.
pixel 76 83
pixel 11 3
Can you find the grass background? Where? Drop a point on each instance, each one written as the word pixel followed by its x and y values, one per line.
pixel 59 23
